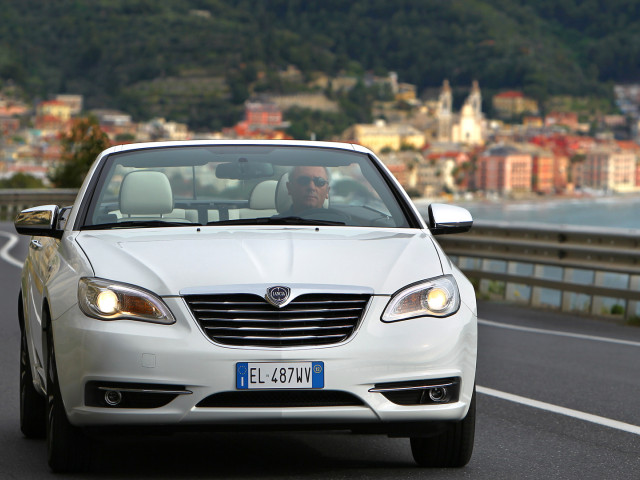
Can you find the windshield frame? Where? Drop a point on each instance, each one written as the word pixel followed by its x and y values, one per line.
pixel 381 176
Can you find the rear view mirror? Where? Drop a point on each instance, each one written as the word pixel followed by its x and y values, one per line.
pixel 244 170
pixel 445 219
pixel 39 221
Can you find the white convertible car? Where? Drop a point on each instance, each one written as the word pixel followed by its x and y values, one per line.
pixel 219 284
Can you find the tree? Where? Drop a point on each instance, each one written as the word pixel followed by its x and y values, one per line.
pixel 21 180
pixel 80 147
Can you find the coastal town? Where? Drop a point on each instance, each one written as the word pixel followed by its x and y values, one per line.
pixel 434 149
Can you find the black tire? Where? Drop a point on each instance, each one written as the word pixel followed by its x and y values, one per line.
pixel 451 448
pixel 68 448
pixel 33 405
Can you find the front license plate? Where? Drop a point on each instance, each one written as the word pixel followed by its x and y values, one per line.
pixel 263 375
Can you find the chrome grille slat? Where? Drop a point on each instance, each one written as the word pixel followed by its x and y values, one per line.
pixel 249 320
pixel 262 312
pixel 276 329
pixel 287 320
pixel 202 302
pixel 294 337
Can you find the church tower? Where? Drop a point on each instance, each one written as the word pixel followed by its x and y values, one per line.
pixel 444 113
pixel 475 100
pixel 469 128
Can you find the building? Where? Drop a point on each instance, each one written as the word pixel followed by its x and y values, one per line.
pixel 262 120
pixel 512 104
pixel 313 101
pixel 609 169
pixel 159 129
pixel 504 170
pixel 73 101
pixel 567 119
pixel 380 136
pixel 435 176
pixel 561 169
pixel 406 93
pixel 260 115
pixel 469 126
pixel 402 166
pixel 542 173
pixel 54 108
pixel 113 118
pixel 444 113
pixel 9 126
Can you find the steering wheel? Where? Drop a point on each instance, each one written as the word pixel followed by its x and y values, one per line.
pixel 326 214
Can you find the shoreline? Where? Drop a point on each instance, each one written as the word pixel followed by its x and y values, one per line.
pixel 533 199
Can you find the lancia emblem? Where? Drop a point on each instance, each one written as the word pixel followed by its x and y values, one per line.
pixel 278 295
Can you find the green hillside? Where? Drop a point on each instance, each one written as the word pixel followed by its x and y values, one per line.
pixel 198 60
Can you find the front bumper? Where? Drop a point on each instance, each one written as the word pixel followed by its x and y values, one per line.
pixel 89 350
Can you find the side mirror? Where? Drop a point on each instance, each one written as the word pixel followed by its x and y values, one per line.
pixel 444 219
pixel 39 221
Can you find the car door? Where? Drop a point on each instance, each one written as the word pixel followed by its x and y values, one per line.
pixel 39 267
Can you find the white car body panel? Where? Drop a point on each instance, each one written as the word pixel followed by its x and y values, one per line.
pixel 217 256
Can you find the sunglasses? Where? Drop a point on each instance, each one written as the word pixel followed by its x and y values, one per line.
pixel 303 181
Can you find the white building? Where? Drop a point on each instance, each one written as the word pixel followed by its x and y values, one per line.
pixel 469 126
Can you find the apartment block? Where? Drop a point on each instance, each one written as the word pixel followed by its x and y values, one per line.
pixel 504 170
pixel 609 170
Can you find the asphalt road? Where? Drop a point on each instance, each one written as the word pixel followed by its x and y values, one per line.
pixel 559 397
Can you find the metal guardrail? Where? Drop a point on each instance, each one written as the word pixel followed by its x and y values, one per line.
pixel 573 269
pixel 569 268
pixel 13 201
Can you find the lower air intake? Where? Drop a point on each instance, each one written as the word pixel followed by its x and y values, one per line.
pixel 281 399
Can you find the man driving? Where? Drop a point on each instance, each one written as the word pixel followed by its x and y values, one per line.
pixel 308 187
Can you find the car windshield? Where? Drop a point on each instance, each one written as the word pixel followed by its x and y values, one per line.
pixel 243 185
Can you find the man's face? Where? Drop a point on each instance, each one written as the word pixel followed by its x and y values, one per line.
pixel 308 187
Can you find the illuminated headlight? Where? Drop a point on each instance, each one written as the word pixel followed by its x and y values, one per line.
pixel 106 300
pixel 437 297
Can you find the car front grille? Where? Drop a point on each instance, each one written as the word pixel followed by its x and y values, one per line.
pixel 249 320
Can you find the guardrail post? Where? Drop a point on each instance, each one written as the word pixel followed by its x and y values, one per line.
pixel 631 310
pixel 538 272
pixel 518 292
pixel 567 276
pixel 597 302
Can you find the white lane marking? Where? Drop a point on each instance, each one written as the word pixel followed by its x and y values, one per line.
pixel 4 253
pixel 607 422
pixel 559 333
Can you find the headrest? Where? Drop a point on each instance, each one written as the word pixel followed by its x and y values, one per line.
pixel 146 192
pixel 283 199
pixel 263 195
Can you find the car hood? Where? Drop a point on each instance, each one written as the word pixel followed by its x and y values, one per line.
pixel 170 261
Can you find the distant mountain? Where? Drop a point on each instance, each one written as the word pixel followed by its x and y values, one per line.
pixel 198 60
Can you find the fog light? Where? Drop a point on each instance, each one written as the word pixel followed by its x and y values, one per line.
pixel 439 394
pixel 112 397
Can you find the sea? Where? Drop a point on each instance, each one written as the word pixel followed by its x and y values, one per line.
pixel 621 211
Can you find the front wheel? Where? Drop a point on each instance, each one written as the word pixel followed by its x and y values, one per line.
pixel 67 447
pixel 451 448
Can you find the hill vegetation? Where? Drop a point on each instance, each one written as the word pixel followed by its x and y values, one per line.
pixel 197 61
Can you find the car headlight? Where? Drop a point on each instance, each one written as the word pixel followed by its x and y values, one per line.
pixel 437 297
pixel 107 300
